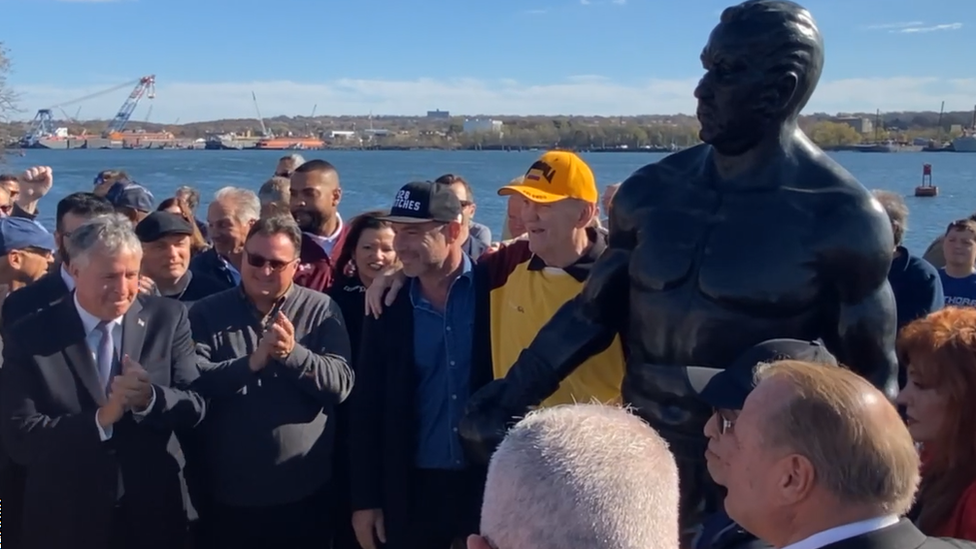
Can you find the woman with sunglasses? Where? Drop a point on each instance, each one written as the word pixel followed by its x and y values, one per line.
pixel 725 391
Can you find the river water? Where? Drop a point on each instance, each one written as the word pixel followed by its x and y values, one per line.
pixel 370 178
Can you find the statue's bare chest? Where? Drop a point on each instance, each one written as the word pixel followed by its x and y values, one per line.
pixel 746 248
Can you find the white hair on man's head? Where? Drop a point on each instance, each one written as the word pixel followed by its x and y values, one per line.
pixel 583 475
pixel 111 234
pixel 248 205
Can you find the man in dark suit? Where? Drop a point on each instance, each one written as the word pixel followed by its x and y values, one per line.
pixel 819 458
pixel 72 211
pixel 94 387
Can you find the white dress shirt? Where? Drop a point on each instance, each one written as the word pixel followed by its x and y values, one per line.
pixel 92 337
pixel 328 242
pixel 846 531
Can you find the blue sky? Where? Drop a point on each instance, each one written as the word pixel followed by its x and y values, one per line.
pixel 467 56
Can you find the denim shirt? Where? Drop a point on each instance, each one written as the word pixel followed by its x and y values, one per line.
pixel 442 343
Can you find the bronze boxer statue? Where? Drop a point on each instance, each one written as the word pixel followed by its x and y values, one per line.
pixel 754 235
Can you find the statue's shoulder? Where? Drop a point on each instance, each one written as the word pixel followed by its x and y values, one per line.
pixel 674 168
pixel 849 216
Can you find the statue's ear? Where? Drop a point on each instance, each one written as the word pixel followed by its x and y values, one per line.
pixel 779 95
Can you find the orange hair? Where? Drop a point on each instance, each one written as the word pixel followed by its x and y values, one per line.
pixel 940 350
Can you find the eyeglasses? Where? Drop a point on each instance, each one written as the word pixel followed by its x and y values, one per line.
pixel 255 260
pixel 466 203
pixel 725 424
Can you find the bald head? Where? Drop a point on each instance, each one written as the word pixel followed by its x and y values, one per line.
pixel 581 476
pixel 848 431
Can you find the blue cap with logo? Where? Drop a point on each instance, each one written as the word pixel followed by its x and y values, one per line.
pixel 728 388
pixel 18 233
pixel 131 195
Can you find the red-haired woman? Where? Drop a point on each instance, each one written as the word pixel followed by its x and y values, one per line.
pixel 940 406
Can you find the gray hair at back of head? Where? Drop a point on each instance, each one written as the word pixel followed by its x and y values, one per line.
pixel 111 234
pixel 894 205
pixel 296 159
pixel 276 189
pixel 248 205
pixel 583 475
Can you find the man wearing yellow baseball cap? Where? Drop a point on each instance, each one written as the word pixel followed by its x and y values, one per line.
pixel 559 204
pixel 555 176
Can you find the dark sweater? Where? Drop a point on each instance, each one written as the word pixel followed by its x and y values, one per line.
pixel 268 437
pixel 916 285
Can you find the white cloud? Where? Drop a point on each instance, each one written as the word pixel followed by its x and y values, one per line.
pixel 932 28
pixel 886 26
pixel 587 94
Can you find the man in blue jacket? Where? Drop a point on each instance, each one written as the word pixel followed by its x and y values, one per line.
pixel 914 281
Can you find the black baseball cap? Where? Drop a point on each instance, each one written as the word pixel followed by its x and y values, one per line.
pixel 729 388
pixel 423 201
pixel 159 224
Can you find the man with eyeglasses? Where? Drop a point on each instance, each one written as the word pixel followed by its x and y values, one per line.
pixel 275 364
pixel 476 237
pixel 725 391
pixel 27 251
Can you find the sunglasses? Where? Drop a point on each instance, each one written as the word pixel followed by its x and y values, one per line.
pixel 258 261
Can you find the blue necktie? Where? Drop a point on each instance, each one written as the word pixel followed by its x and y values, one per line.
pixel 105 355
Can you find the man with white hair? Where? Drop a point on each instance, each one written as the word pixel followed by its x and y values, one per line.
pixel 580 476
pixel 94 388
pixel 229 217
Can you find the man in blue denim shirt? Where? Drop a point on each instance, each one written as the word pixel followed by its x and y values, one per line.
pixel 411 484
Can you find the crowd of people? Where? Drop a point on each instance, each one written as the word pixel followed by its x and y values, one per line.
pixel 275 375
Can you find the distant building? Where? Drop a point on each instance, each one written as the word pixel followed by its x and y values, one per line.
pixel 340 134
pixel 860 124
pixel 482 125
pixel 439 115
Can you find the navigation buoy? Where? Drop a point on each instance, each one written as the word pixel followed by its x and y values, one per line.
pixel 926 188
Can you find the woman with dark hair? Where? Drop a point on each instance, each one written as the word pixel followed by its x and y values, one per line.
pixel 180 208
pixel 366 252
pixel 940 408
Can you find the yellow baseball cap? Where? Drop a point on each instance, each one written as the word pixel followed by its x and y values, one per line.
pixel 555 176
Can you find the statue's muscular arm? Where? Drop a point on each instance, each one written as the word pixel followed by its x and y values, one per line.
pixel 857 256
pixel 588 323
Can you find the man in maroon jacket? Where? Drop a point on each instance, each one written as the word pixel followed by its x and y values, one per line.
pixel 315 196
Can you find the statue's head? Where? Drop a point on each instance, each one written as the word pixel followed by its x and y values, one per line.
pixel 762 63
